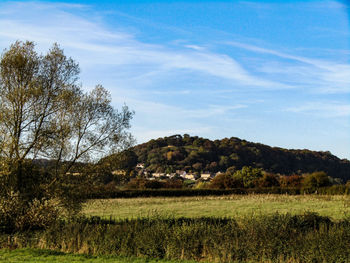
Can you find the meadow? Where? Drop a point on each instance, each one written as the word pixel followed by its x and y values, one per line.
pixel 42 255
pixel 277 238
pixel 234 228
pixel 336 207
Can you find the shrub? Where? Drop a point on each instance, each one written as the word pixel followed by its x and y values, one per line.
pixel 142 183
pixel 315 180
pixel 225 181
pixel 291 180
pixel 248 176
pixel 268 180
pixel 19 215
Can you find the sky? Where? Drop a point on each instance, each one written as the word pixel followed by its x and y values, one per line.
pixel 273 72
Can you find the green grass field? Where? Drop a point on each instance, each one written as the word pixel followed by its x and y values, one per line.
pixel 236 206
pixel 336 207
pixel 37 256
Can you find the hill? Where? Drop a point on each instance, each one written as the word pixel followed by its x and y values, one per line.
pixel 196 154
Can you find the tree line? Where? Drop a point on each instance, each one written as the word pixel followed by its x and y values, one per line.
pixel 196 154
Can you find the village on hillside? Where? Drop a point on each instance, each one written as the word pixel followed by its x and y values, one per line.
pixel 179 174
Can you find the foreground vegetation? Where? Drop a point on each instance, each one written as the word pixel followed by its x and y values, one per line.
pixel 37 255
pixel 231 228
pixel 275 238
pixel 237 206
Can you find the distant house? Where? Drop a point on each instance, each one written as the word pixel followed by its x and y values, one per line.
pixel 218 173
pixel 180 172
pixel 119 172
pixel 140 165
pixel 158 175
pixel 73 173
pixel 206 176
pixel 190 176
pixel 171 175
pixel 144 172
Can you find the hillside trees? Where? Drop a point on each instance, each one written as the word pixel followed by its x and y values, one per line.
pixel 44 113
pixel 123 163
pixel 220 155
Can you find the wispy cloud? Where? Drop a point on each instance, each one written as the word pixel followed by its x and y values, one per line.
pixel 116 47
pixel 326 76
pixel 161 110
pixel 167 119
pixel 303 4
pixel 195 47
pixel 323 109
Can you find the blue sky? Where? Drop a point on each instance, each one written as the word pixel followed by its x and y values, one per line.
pixel 274 72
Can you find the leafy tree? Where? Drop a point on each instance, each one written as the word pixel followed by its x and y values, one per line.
pixel 197 166
pixel 44 113
pixel 231 170
pixel 225 181
pixel 125 160
pixel 268 180
pixel 213 166
pixel 316 179
pixel 141 183
pixel 291 181
pixel 178 154
pixel 248 176
pixel 224 162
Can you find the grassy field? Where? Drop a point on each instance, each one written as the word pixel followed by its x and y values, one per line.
pixel 336 207
pixel 37 256
pixel 254 231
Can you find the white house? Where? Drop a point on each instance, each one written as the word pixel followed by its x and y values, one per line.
pixel 206 176
pixel 190 176
pixel 140 165
pixel 158 175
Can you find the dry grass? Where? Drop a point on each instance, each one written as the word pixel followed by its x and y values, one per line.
pixel 336 207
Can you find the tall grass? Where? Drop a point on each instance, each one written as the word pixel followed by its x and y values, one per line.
pixel 273 238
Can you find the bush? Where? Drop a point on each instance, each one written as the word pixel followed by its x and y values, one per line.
pixel 19 215
pixel 225 181
pixel 249 176
pixel 315 180
pixel 291 180
pixel 142 183
pixel 268 180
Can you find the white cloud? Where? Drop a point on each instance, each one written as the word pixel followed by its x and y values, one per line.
pixel 94 44
pixel 195 47
pixel 323 5
pixel 321 75
pixel 323 109
pixel 161 110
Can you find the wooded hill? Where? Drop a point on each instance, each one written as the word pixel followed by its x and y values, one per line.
pixel 196 154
